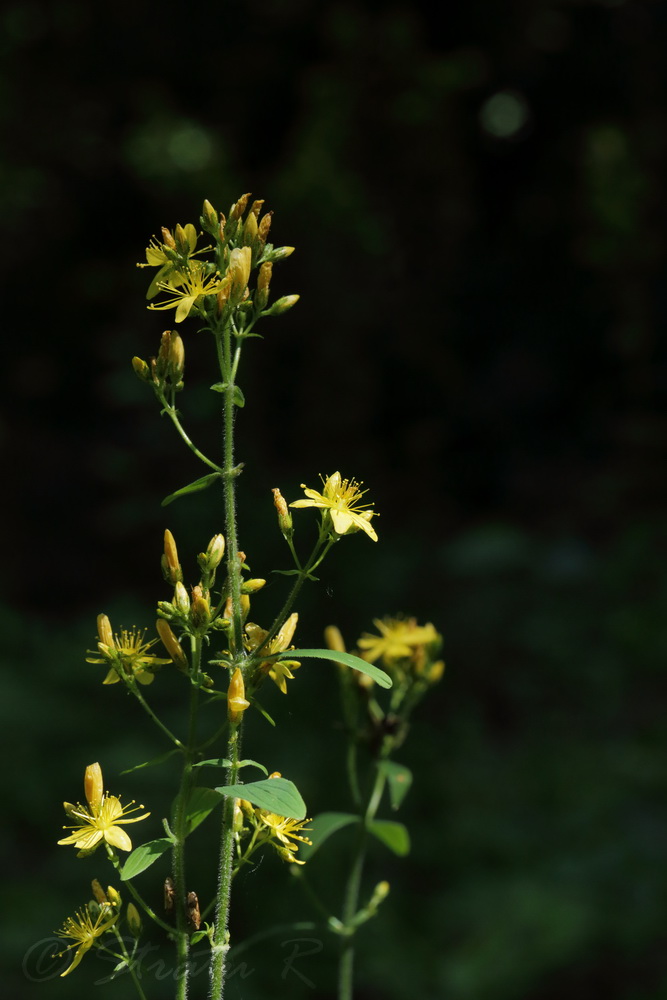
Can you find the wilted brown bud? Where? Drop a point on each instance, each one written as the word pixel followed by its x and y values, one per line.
pixel 168 239
pixel 239 207
pixel 168 894
pixel 193 914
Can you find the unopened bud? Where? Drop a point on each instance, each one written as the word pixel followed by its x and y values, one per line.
pixel 174 573
pixel 168 239
pixel 201 612
pixel 215 551
pixel 252 586
pixel 435 672
pixel 181 238
pixel 181 599
pixel 284 516
pixel 171 644
pixel 281 253
pixel 141 370
pixel 263 282
pixel 104 631
pixel 133 920
pixel 239 818
pixel 282 305
pixel 239 271
pixel 245 607
pixel 209 217
pixel 176 357
pixel 94 787
pixel 250 230
pixel 113 896
pixel 236 699
pixel 162 362
pixel 275 774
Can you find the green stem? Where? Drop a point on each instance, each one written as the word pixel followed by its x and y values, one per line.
pixel 130 965
pixel 220 945
pixel 171 413
pixel 351 899
pixel 180 834
pixel 149 711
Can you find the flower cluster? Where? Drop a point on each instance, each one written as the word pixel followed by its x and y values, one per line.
pixel 266 827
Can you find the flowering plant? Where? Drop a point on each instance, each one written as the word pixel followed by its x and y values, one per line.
pixel 224 657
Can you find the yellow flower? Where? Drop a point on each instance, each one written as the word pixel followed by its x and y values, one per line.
pixel 171 255
pixel 126 654
pixel 85 927
pixel 282 831
pixel 101 820
pixel 341 498
pixel 196 283
pixel 402 639
pixel 280 671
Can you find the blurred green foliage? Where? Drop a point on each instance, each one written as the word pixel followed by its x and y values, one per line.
pixel 476 198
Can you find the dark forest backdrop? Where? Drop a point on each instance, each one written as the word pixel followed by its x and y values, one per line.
pixel 476 195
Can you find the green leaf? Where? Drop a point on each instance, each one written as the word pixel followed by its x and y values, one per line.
pixel 201 803
pixel 151 763
pixel 143 857
pixel 399 778
pixel 379 676
pixel 262 711
pixel 237 395
pixel 199 484
pixel 278 795
pixel 394 835
pixel 321 829
pixel 223 762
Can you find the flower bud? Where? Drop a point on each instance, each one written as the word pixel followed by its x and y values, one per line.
pixel 168 239
pixel 284 516
pixel 113 896
pixel 209 217
pixel 94 787
pixel 435 672
pixel 171 644
pixel 141 370
pixel 181 599
pixel 104 631
pixel 250 230
pixel 263 282
pixel 133 920
pixel 215 551
pixel 174 573
pixel 283 304
pixel 281 253
pixel 176 357
pixel 275 774
pixel 252 586
pixel 239 271
pixel 200 614
pixel 239 818
pixel 236 699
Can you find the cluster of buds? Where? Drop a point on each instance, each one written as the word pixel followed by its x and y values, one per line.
pixel 165 372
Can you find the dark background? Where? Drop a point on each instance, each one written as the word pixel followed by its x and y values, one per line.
pixel 476 195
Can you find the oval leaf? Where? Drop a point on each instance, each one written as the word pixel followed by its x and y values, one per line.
pixel 394 835
pixel 201 803
pixel 399 778
pixel 142 857
pixel 379 676
pixel 199 484
pixel 321 829
pixel 277 795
